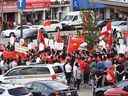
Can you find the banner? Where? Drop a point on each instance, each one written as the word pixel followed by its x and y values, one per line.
pixel 59 46
pixel 21 49
pixel 34 4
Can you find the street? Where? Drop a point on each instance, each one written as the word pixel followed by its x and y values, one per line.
pixel 86 92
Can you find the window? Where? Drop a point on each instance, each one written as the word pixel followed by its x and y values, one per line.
pixel 1 91
pixel 57 69
pixel 54 22
pixel 75 18
pixel 25 27
pixel 18 91
pixel 38 87
pixel 28 71
pixel 16 71
pixel 68 18
pixel 35 70
pixel 124 23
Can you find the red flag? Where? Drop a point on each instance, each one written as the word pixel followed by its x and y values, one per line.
pixel 74 44
pixel 40 37
pixel 106 30
pixel 47 23
pixel 109 40
pixel 58 37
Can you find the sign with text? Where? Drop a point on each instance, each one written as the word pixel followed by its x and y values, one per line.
pixel 21 4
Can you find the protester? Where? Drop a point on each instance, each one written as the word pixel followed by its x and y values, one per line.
pixel 68 70
pixel 77 76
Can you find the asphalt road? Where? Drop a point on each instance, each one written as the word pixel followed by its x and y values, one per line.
pixel 85 92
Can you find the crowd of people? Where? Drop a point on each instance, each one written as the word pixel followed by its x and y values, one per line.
pixel 105 66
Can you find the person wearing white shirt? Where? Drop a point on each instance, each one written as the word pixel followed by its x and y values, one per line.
pixel 77 75
pixel 38 60
pixel 68 72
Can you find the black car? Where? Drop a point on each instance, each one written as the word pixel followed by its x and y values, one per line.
pixel 50 88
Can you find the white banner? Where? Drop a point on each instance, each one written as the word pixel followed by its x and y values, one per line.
pixel 59 46
pixel 21 49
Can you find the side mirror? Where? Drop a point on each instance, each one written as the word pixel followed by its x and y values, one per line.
pixel 125 88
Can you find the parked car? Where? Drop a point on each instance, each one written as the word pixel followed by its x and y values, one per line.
pixel 119 91
pixel 100 91
pixel 121 26
pixel 24 74
pixel 54 26
pixel 28 31
pixel 72 20
pixel 7 89
pixel 50 88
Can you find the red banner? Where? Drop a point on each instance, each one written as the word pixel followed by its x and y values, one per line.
pixel 32 4
pixel 14 55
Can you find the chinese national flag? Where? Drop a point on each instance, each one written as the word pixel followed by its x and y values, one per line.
pixel 106 30
pixel 74 43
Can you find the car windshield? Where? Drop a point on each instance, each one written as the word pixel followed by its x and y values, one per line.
pixel 57 85
pixel 18 91
pixel 57 69
pixel 68 18
pixel 122 84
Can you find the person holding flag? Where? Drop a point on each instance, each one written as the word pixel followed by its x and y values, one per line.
pixel 40 38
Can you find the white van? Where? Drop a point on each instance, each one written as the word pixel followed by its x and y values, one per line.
pixel 72 20
pixel 33 72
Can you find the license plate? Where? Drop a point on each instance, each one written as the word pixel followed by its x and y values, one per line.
pixel 68 94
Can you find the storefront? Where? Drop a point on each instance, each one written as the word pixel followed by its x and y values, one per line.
pixel 117 9
pixel 36 10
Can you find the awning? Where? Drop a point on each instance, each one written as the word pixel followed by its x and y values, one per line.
pixel 32 4
pixel 85 4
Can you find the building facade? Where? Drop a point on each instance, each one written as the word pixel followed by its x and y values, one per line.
pixel 116 9
pixel 35 10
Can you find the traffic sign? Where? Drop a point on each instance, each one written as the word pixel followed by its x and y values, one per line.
pixel 21 4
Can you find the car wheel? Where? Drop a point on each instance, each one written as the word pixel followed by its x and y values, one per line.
pixel 57 29
pixel 100 93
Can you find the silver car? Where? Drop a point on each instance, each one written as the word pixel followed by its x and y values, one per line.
pixel 28 31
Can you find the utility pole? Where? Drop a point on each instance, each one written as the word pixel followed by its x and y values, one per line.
pixel 2 5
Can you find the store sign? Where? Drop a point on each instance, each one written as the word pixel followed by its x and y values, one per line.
pixel 32 4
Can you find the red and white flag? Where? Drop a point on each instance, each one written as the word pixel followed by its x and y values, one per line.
pixel 106 30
